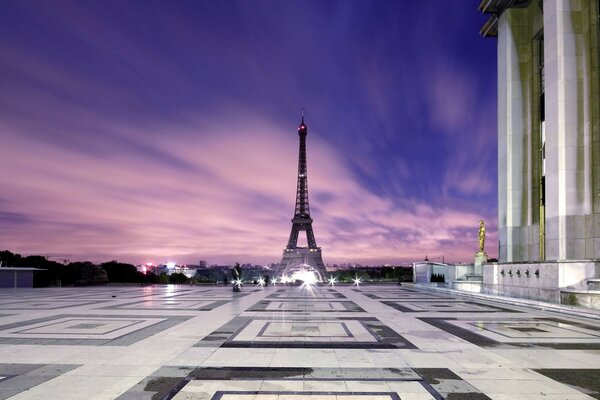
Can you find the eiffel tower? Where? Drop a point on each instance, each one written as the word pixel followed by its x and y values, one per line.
pixel 302 259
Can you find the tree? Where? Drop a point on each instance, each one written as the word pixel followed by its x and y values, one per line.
pixel 150 277
pixel 86 273
pixel 9 259
pixel 120 272
pixel 178 278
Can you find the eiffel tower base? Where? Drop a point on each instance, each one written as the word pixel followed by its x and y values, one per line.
pixel 294 259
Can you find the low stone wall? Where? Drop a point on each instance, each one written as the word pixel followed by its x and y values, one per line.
pixel 467 286
pixel 538 281
pixel 584 298
pixel 423 270
pixel 462 270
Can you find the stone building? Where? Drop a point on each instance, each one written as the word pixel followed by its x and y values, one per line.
pixel 548 128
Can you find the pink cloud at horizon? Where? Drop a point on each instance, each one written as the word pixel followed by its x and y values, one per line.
pixel 233 200
pixel 168 132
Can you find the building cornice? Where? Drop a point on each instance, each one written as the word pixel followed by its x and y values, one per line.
pixel 496 8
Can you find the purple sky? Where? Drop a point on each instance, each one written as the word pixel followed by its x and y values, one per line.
pixel 166 130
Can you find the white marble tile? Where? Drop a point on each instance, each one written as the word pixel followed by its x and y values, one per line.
pixel 104 370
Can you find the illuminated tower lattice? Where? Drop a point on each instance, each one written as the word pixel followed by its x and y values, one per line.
pixel 302 259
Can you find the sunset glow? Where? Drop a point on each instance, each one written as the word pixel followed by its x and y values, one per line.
pixel 168 132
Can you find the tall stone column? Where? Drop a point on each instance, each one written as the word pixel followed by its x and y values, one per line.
pixel 514 162
pixel 568 138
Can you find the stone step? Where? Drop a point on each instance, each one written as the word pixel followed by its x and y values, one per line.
pixel 474 277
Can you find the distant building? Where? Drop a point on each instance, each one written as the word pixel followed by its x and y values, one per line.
pixel 172 268
pixel 17 277
pixel 548 128
pixel 146 268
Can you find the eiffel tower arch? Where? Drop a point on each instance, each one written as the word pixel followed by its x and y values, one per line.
pixel 302 259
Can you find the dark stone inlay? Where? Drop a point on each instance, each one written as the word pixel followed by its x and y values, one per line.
pixel 105 296
pixel 21 377
pixel 306 329
pixel 164 387
pixel 483 341
pixel 164 383
pixel 436 303
pixel 349 306
pixel 284 294
pixel 407 296
pixel 304 373
pixel 131 322
pixel 226 331
pixel 84 326
pixel 466 396
pixel 472 337
pixel 138 305
pixel 583 380
pixel 442 384
pixel 526 329
pixel 54 304
pixel 226 374
pixel 573 323
pixel 385 288
pixel 312 328
pixel 167 382
pixel 433 375
pixel 312 345
pixel 124 340
pixel 219 395
pixel 385 337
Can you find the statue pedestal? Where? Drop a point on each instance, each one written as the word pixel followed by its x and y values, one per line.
pixel 480 258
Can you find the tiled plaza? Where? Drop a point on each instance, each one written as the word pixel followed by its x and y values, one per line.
pixel 375 342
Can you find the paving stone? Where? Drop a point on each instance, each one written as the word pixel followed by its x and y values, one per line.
pixel 277 343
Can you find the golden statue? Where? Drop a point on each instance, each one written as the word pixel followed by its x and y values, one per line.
pixel 481 236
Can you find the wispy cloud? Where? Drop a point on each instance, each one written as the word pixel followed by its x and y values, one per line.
pixel 467 122
pixel 162 137
pixel 233 199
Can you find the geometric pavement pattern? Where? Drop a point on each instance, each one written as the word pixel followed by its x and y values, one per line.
pixel 372 342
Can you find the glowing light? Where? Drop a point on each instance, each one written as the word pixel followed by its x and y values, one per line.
pixel 285 279
pixel 332 281
pixel 308 277
pixel 239 283
pixel 274 281
pixel 171 265
pixel 261 282
pixel 357 281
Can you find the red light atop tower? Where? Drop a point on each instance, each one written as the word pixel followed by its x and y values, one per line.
pixel 302 127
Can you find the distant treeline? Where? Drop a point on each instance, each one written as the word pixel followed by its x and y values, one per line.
pixel 397 274
pixel 87 273
pixel 76 273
